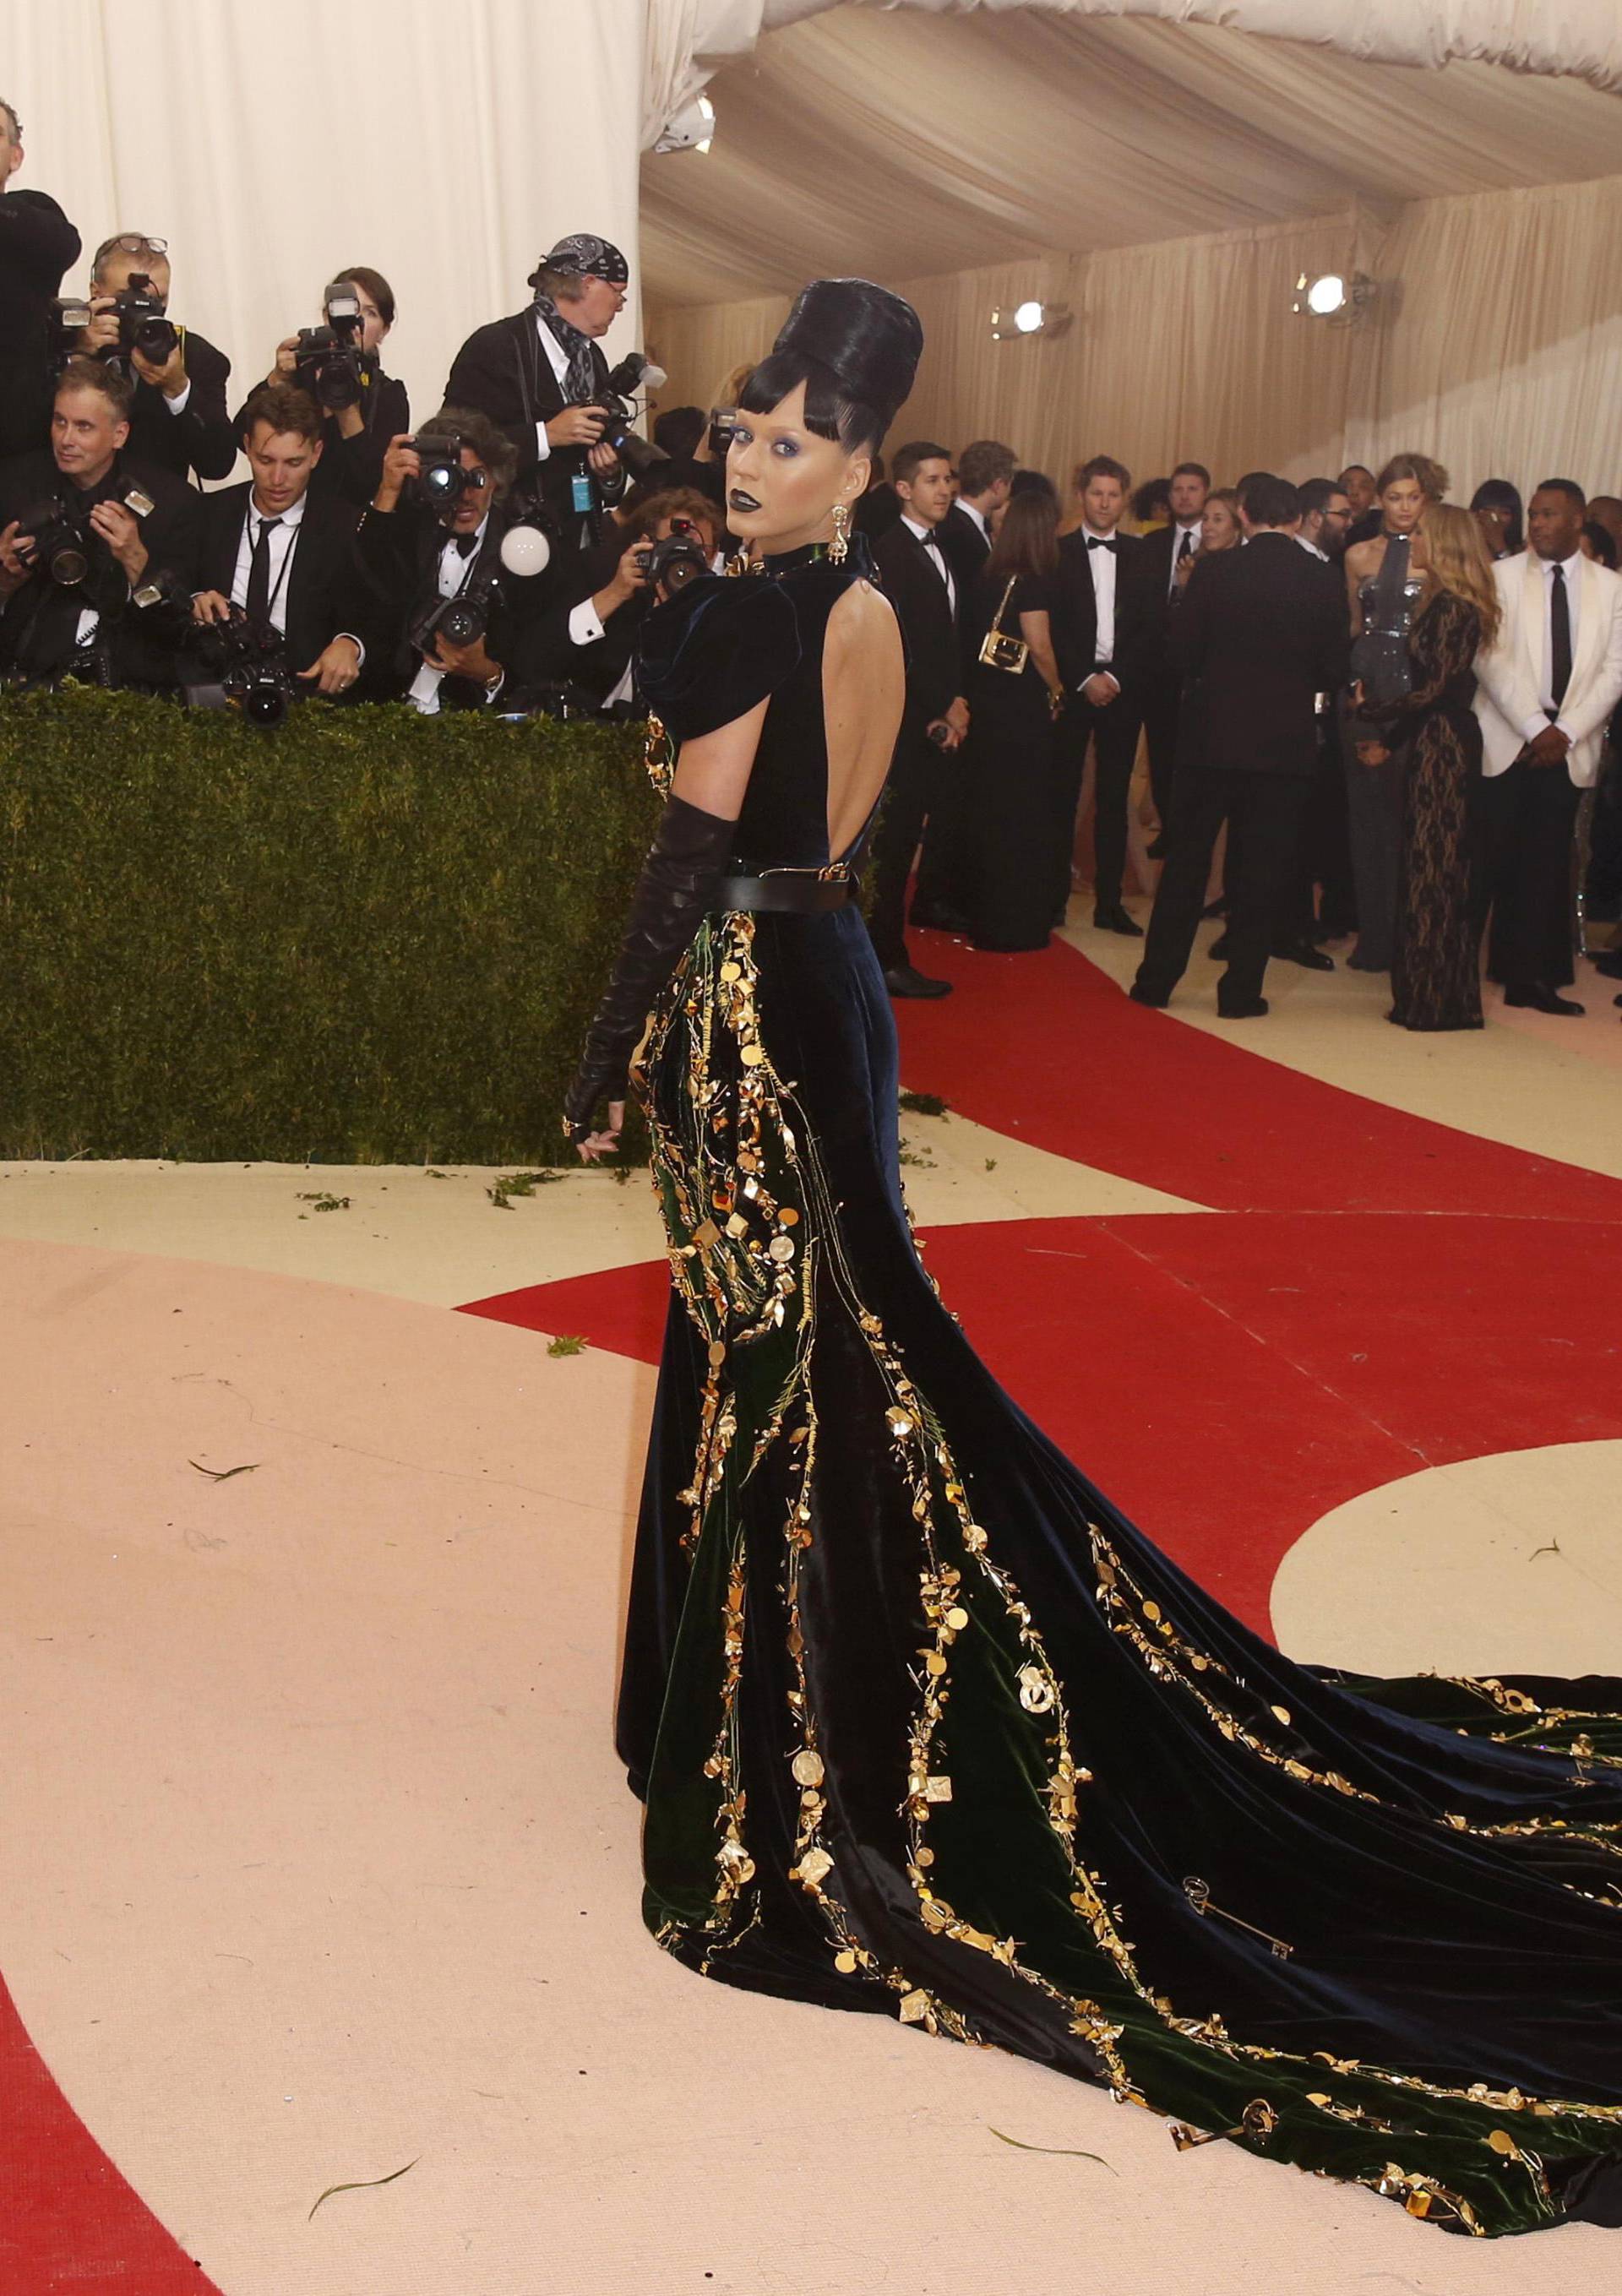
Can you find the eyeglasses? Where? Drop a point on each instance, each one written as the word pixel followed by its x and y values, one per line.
pixel 132 244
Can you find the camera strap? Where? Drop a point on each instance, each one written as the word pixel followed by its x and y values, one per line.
pixel 251 512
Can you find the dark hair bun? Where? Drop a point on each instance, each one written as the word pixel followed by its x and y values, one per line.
pixel 868 338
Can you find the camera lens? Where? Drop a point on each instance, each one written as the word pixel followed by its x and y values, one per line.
pixel 463 622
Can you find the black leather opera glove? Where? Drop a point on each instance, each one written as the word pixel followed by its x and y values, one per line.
pixel 684 864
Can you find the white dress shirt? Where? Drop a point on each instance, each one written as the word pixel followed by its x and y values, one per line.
pixel 1313 549
pixel 937 557
pixel 1572 570
pixel 558 359
pixel 1101 565
pixel 977 516
pixel 455 573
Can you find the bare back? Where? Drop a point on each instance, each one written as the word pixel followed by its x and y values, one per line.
pixel 864 690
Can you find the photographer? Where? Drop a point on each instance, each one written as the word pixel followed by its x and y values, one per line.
pixel 37 245
pixel 178 421
pixel 81 526
pixel 337 366
pixel 280 559
pixel 432 540
pixel 541 380
pixel 587 638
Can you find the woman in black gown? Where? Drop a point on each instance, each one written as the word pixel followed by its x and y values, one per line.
pixel 1008 758
pixel 1436 980
pixel 924 1724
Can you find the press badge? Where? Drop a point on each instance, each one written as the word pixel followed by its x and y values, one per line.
pixel 581 490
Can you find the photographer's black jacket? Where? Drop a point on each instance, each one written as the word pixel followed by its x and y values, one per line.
pixel 502 370
pixel 596 669
pixel 398 551
pixel 325 595
pixel 37 245
pixel 201 437
pixel 38 627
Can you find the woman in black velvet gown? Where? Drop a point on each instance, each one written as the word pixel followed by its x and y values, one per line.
pixel 1008 758
pixel 924 1724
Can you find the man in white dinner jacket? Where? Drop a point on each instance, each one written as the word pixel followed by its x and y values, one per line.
pixel 1546 690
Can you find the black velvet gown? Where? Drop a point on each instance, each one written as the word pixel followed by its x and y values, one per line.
pixel 924 1726
pixel 1014 784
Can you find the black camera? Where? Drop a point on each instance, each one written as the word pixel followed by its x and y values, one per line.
pixel 251 672
pixel 441 480
pixel 671 564
pixel 61 539
pixel 461 621
pixel 640 456
pixel 329 362
pixel 722 423
pixel 143 324
pixel 70 315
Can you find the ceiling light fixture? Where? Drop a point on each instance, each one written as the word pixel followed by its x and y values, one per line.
pixel 691 128
pixel 1028 318
pixel 1342 298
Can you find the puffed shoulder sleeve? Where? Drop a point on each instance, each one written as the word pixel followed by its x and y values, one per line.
pixel 713 652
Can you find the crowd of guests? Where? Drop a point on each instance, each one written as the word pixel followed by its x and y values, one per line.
pixel 1392 705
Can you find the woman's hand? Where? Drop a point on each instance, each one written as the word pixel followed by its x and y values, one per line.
pixel 596 1145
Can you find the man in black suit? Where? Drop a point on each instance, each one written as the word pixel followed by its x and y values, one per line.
pixel 876 511
pixel 920 586
pixel 533 375
pixel 419 559
pixel 984 472
pixel 37 245
pixel 1103 637
pixel 587 636
pixel 124 523
pixel 1264 631
pixel 283 556
pixel 179 421
pixel 1165 551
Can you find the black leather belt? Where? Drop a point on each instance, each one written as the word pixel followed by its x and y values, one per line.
pixel 806 894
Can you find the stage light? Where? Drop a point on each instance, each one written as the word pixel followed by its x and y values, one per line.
pixel 691 128
pixel 1029 318
pixel 1339 297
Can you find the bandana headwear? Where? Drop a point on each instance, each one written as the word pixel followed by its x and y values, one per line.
pixel 588 256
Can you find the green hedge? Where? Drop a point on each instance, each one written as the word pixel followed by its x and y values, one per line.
pixel 364 937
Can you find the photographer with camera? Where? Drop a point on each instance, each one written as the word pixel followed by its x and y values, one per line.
pixel 543 380
pixel 89 539
pixel 179 421
pixel 37 245
pixel 587 638
pixel 337 364
pixel 447 544
pixel 280 585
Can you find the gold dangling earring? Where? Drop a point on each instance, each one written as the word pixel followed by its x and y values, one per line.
pixel 841 543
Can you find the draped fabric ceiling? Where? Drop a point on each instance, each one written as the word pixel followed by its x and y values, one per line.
pixel 1166 180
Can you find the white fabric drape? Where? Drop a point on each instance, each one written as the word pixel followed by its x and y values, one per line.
pixel 446 147
pixel 1581 38
pixel 1496 347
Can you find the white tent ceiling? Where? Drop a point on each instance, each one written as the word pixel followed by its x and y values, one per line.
pixel 919 140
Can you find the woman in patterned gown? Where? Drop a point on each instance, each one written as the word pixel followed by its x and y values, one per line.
pixel 1435 966
pixel 924 1724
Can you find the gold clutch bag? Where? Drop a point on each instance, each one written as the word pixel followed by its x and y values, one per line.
pixel 998 649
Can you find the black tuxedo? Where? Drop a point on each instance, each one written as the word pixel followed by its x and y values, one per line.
pixel 1112 729
pixel 323 594
pixel 399 552
pixel 352 469
pixel 924 786
pixel 37 245
pixel 201 437
pixel 1163 690
pixel 39 627
pixel 876 511
pixel 967 545
pixel 502 370
pixel 596 667
pixel 1260 633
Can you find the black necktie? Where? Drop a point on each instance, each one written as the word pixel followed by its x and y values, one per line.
pixel 1186 546
pixel 258 572
pixel 466 544
pixel 1095 542
pixel 1559 637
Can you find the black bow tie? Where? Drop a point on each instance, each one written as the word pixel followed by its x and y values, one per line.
pixel 1095 542
pixel 466 544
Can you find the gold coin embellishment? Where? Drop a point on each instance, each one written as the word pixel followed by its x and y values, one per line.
pixel 899 1423
pixel 845 1963
pixel 789 1217
pixel 1502 2142
pixel 914 2008
pixel 781 1248
pixel 752 1055
pixel 706 1233
pixel 957 1619
pixel 717 1352
pixel 813 1865
pixel 1152 1610
pixel 936 1662
pixel 1283 1712
pixel 808 1767
pixel 974 1539
pixel 732 971
pixel 937 1790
